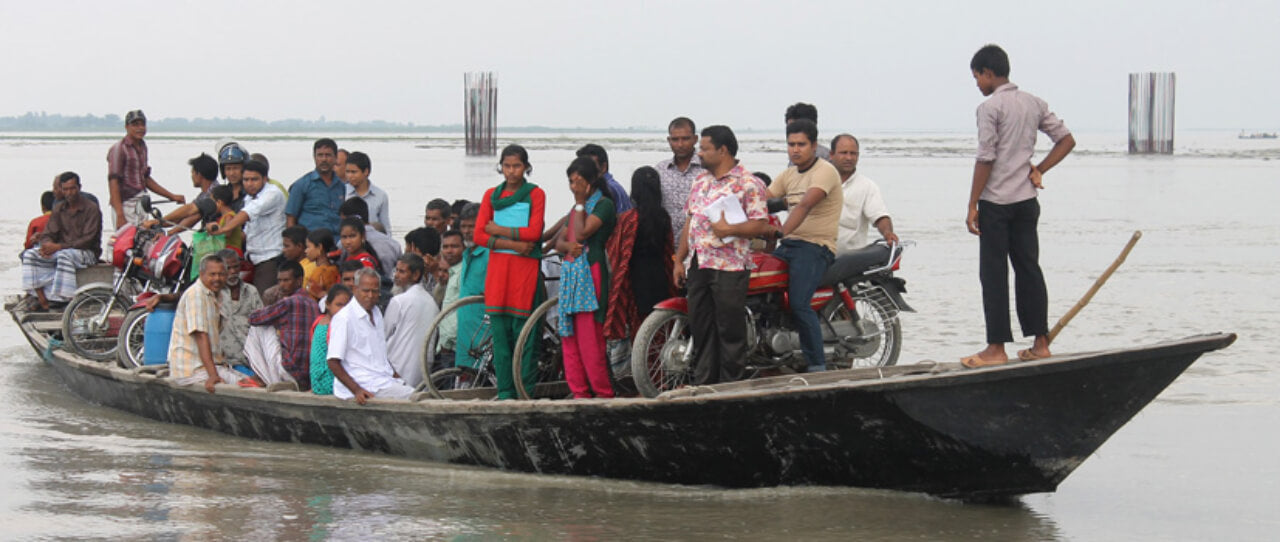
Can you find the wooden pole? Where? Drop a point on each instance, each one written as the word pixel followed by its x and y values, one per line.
pixel 1097 285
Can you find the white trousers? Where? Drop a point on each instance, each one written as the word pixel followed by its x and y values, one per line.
pixel 397 390
pixel 227 374
pixel 262 350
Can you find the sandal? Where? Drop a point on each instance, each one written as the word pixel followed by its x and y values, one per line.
pixel 1030 355
pixel 975 362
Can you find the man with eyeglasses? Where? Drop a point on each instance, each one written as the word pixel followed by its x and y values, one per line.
pixel 678 172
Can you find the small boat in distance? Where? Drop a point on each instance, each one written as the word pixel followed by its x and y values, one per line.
pixel 930 427
pixel 1257 135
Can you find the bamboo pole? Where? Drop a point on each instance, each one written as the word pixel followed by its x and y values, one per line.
pixel 1097 285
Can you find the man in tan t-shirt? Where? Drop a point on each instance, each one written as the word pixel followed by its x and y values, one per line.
pixel 814 200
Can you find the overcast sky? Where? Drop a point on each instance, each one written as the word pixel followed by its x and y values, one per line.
pixel 880 66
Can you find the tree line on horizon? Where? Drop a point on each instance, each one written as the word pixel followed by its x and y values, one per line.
pixel 55 122
pixel 41 121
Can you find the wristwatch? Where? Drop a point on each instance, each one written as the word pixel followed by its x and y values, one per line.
pixel 579 207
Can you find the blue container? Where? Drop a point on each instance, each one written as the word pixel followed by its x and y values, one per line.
pixel 155 333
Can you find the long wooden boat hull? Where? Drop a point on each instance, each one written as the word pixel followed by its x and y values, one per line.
pixel 932 428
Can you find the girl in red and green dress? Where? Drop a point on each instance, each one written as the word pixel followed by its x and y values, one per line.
pixel 510 226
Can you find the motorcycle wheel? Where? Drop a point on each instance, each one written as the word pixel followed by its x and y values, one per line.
pixel 657 356
pixel 481 341
pixel 879 333
pixel 132 337
pixel 91 323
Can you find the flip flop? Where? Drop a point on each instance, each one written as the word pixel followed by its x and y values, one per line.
pixel 975 362
pixel 1028 355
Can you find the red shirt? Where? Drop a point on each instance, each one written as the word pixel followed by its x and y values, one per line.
pixel 34 228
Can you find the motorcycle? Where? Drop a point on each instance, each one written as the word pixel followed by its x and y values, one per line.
pixel 858 302
pixel 147 262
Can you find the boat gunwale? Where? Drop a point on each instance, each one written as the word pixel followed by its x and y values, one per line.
pixel 935 375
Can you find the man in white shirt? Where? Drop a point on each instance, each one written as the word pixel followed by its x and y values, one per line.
pixel 409 316
pixel 358 349
pixel 263 218
pixel 863 206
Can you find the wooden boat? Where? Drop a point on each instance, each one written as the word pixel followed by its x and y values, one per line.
pixel 935 428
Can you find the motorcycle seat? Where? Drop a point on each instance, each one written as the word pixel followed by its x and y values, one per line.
pixel 855 263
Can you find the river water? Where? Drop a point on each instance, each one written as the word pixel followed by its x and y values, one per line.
pixel 1198 463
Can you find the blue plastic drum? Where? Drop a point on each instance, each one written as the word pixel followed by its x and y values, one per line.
pixel 155 335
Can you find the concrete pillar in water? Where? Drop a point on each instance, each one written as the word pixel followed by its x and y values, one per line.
pixel 480 113
pixel 1151 112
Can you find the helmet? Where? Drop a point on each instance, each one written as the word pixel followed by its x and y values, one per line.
pixel 231 153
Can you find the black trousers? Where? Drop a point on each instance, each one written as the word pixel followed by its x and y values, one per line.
pixel 718 322
pixel 1009 235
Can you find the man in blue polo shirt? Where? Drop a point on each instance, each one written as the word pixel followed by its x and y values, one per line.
pixel 314 198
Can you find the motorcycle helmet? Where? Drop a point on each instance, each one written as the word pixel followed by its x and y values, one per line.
pixel 231 153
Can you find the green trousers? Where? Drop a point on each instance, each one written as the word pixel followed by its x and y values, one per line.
pixel 506 331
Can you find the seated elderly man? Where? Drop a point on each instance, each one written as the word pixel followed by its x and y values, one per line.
pixel 358 348
pixel 237 301
pixel 278 346
pixel 72 240
pixel 194 352
pixel 409 318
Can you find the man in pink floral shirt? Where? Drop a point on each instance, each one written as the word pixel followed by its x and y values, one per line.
pixel 718 270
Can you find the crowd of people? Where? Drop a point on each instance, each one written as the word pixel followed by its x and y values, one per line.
pixel 313 290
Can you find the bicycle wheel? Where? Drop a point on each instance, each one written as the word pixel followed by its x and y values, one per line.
pixel 131 339
pixel 478 342
pixel 92 322
pixel 658 360
pixel 547 356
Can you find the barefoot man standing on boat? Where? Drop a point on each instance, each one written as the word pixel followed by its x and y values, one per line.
pixel 1003 210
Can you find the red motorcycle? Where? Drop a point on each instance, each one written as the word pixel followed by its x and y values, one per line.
pixel 147 262
pixel 858 302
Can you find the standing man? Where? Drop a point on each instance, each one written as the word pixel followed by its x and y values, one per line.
pixel 814 201
pixel 438 216
pixel 409 316
pixel 194 353
pixel 71 240
pixel 678 172
pixel 278 345
pixel 263 221
pixel 357 177
pixel 863 205
pixel 129 175
pixel 1003 209
pixel 340 163
pixel 204 176
pixel 259 157
pixel 358 349
pixel 717 269
pixel 621 201
pixel 452 247
pixel 314 198
pixel 801 110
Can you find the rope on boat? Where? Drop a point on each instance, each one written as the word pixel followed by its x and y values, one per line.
pixel 798 379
